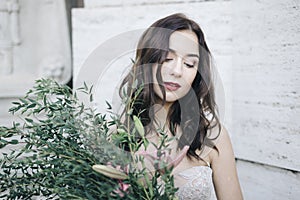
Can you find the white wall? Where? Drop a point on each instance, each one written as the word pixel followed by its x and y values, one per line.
pixel 266 97
pixel 34 43
pixel 256 48
pixel 266 82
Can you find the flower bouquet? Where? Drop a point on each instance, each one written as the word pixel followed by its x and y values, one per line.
pixel 62 149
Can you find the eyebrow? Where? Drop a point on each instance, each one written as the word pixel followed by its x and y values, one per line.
pixel 189 55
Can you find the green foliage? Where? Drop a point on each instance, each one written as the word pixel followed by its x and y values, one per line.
pixel 58 142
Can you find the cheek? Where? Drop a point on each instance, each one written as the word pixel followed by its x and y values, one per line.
pixel 190 76
pixel 194 76
pixel 164 70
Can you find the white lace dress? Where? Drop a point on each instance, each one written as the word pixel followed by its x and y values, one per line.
pixel 195 184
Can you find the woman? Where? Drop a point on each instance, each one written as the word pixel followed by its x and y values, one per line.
pixel 173 66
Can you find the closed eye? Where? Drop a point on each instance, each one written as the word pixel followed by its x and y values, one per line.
pixel 189 65
pixel 168 59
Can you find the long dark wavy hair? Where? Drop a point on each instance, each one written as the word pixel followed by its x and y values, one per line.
pixel 196 112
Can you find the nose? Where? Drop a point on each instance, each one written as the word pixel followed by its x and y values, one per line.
pixel 176 69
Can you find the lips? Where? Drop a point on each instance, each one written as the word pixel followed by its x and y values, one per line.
pixel 171 86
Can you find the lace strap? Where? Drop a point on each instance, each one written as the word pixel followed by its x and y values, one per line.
pixel 208 164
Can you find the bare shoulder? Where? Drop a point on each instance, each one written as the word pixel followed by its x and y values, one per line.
pixel 224 140
pixel 223 146
pixel 225 176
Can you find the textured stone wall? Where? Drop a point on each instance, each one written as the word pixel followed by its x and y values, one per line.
pixel 34 43
pixel 266 97
pixel 256 50
pixel 266 82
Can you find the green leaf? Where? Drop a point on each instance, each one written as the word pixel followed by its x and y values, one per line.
pixel 139 126
pixel 29 120
pixel 85 86
pixel 31 105
pixel 3 141
pixel 23 101
pixel 132 60
pixel 14 142
pixel 16 103
pixel 109 107
pixel 90 91
pixel 145 142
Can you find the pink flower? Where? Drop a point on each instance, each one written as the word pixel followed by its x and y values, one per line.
pixel 123 187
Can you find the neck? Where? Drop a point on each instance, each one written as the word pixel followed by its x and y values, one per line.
pixel 161 113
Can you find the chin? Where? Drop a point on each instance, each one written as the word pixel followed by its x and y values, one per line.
pixel 171 96
pixel 171 99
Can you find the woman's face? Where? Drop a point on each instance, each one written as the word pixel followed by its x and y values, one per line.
pixel 180 67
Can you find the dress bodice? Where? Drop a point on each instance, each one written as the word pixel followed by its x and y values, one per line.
pixel 195 184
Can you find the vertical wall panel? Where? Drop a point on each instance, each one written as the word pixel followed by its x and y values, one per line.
pixel 266 82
